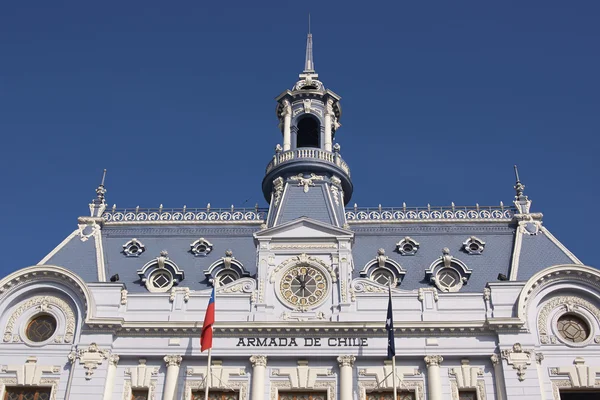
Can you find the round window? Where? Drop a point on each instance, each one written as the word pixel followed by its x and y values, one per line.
pixel 383 276
pixel 448 278
pixel 41 328
pixel 226 277
pixel 572 328
pixel 161 280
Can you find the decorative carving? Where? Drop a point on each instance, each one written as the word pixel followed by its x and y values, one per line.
pixel 381 377
pixel 448 273
pixel 303 377
pixel 407 246
pixel 495 359
pixel 133 248
pixel 346 361
pixel 335 189
pixel 43 304
pixel 173 360
pixel 243 285
pixel 220 379
pixel 30 373
pixel 277 190
pixel 566 304
pixel 579 374
pixel 201 247
pixel 113 359
pixel 124 297
pixel 258 361
pixel 306 182
pixel 307 103
pixel 474 245
pixel 487 292
pixel 421 294
pixel 518 358
pixel 141 376
pixel 433 360
pixel 467 377
pixel 90 358
pixel 304 258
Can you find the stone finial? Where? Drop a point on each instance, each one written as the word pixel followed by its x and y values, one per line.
pixel 337 148
pixel 381 258
pixel 446 257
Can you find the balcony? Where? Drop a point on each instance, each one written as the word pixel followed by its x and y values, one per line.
pixel 308 154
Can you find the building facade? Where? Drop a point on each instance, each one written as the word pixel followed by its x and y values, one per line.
pixel 487 303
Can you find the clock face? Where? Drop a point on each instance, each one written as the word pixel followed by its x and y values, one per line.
pixel 303 286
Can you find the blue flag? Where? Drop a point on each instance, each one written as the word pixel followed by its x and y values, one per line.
pixel 389 327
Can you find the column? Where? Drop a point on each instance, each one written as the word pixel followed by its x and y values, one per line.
pixel 287 125
pixel 259 366
pixel 328 116
pixel 113 360
pixel 173 362
pixel 434 380
pixel 346 363
pixel 498 377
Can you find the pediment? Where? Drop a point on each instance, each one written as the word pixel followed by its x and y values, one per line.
pixel 304 228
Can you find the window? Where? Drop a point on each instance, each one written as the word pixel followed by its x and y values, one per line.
pixel 467 395
pixel 407 246
pixel 226 277
pixel 572 328
pixel 384 277
pixel 30 393
pixel 133 248
pixel 302 395
pixel 41 328
pixel 309 133
pixel 161 280
pixel 448 279
pixel 402 395
pixel 215 395
pixel 474 245
pixel 139 394
pixel 201 247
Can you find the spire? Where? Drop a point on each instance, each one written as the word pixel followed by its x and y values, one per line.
pixel 98 205
pixel 519 187
pixel 100 190
pixel 309 65
pixel 522 203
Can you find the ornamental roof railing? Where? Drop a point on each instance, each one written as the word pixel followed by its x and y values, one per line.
pixel 307 154
pixel 429 213
pixel 206 214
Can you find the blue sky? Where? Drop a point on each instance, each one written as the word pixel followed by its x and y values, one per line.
pixel 176 100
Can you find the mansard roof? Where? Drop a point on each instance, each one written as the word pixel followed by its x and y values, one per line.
pixel 98 258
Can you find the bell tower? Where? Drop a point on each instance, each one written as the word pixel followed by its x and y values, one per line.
pixel 307 176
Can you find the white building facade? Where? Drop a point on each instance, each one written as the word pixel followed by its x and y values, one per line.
pixel 488 304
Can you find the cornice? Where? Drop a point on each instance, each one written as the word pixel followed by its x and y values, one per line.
pixel 316 328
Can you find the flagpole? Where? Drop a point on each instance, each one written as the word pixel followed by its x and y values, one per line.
pixel 208 373
pixel 394 377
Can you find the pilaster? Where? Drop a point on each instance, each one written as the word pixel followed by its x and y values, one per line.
pixel 173 363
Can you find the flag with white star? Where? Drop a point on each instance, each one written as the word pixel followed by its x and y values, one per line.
pixel 389 327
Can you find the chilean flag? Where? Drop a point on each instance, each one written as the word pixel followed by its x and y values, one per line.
pixel 207 327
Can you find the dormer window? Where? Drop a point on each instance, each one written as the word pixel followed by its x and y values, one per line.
pixel 449 274
pixel 201 247
pixel 133 248
pixel 383 270
pixel 308 133
pixel 225 270
pixel 160 274
pixel 407 246
pixel 474 245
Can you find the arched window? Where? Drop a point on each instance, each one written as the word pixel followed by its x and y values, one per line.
pixel 309 133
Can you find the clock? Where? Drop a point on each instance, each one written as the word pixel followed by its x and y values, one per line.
pixel 303 286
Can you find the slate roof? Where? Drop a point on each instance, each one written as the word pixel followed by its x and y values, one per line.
pixel 537 251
